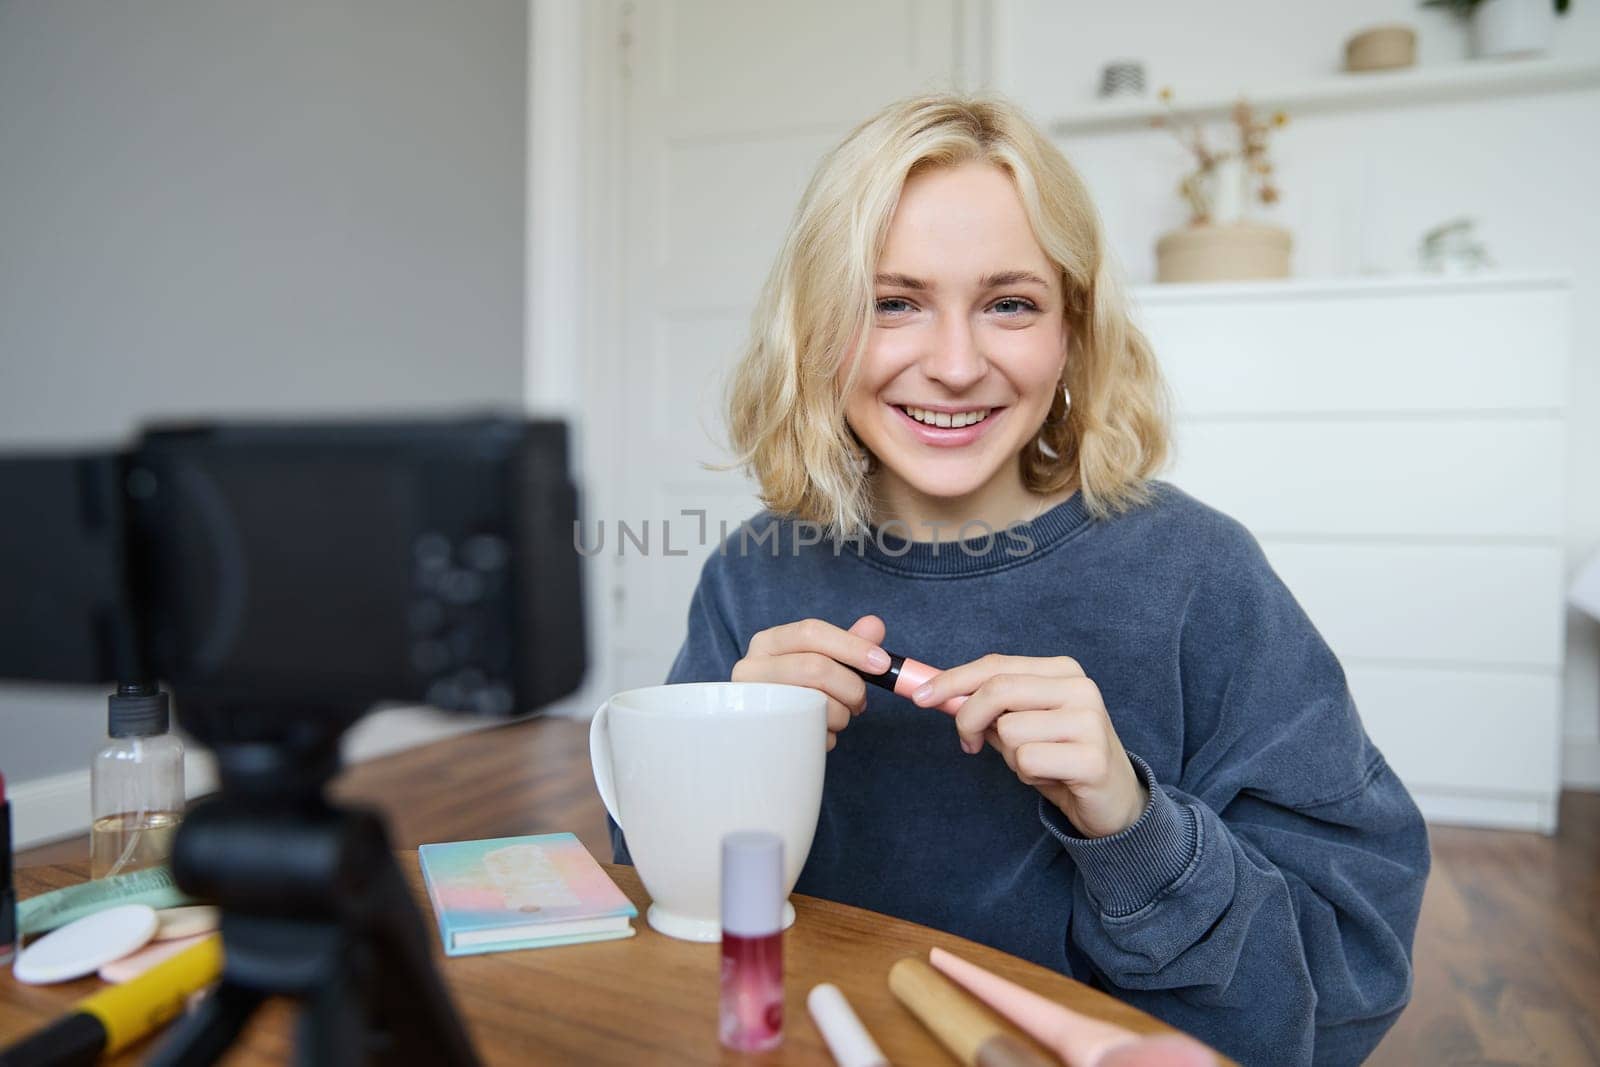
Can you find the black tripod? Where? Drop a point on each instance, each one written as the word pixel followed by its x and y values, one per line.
pixel 313 905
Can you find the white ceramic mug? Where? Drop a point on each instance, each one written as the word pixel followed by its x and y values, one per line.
pixel 680 766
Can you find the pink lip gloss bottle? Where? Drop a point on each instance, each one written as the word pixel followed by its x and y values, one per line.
pixel 750 1018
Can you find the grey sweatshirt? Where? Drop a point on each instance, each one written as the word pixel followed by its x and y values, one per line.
pixel 1266 899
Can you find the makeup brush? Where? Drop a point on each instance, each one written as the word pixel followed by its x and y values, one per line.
pixel 966 1028
pixel 1080 1041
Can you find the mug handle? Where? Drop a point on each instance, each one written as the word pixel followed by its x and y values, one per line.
pixel 600 760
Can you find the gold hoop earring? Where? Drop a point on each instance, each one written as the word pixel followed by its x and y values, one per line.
pixel 1066 406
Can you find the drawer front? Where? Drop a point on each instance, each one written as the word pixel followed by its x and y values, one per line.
pixel 1449 478
pixel 1413 349
pixel 1453 604
pixel 1462 731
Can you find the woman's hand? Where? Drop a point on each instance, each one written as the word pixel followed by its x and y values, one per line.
pixel 1046 718
pixel 813 653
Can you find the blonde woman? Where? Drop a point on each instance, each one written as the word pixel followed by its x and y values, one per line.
pixel 1157 781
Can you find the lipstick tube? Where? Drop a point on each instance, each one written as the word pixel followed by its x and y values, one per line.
pixel 905 676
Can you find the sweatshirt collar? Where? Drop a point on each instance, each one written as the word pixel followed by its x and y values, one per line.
pixel 886 547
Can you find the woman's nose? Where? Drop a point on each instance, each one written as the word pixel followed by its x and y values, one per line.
pixel 953 357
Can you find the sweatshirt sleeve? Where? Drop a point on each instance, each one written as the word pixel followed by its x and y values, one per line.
pixel 708 653
pixel 1265 901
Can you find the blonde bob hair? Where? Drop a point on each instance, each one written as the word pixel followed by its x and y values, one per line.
pixel 786 398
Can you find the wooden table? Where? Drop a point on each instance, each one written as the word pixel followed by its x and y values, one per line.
pixel 646 1000
pixel 649 999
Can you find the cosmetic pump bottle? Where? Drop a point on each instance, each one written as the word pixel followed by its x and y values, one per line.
pixel 136 784
pixel 750 1016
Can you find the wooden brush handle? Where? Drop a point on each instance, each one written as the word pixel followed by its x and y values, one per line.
pixel 971 1033
pixel 1003 1050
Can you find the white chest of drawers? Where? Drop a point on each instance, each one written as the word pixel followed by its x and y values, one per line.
pixel 1398 448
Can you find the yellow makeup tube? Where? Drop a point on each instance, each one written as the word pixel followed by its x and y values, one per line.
pixel 119 1015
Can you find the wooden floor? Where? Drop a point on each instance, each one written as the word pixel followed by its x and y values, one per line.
pixel 1508 951
pixel 1507 954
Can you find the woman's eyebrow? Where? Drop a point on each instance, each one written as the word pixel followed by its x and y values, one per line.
pixel 988 281
pixel 1011 277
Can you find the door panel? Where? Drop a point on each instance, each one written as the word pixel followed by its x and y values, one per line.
pixel 728 108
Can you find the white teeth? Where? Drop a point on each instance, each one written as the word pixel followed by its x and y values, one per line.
pixel 945 418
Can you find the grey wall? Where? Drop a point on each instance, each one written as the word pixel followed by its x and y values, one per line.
pixel 219 207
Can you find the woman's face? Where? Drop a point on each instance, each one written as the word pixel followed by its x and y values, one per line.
pixel 968 341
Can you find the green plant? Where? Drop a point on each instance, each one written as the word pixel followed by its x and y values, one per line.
pixel 1465 8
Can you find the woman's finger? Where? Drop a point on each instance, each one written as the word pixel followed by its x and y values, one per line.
pixel 838 716
pixel 1019 728
pixel 810 669
pixel 1052 765
pixel 969 677
pixel 997 743
pixel 1068 762
pixel 824 638
pixel 870 628
pixel 1004 693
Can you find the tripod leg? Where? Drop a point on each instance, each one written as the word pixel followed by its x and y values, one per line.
pixel 205 1035
pixel 333 1021
pixel 315 907
pixel 411 998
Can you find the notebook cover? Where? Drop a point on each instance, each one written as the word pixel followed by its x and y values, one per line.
pixel 508 882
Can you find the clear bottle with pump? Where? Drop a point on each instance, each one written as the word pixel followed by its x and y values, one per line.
pixel 136 784
pixel 750 1015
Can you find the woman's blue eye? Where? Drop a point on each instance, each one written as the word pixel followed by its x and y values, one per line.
pixel 1011 305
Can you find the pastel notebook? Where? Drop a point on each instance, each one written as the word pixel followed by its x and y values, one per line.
pixel 521 892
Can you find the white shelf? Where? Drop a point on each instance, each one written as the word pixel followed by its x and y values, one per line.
pixel 1164 293
pixel 1349 92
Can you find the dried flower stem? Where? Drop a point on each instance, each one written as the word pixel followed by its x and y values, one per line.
pixel 1253 136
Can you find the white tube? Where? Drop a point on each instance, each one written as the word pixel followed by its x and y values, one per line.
pixel 847 1039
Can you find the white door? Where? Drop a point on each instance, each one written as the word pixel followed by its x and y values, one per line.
pixel 728 106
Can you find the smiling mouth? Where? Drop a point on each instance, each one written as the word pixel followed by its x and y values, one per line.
pixel 947 420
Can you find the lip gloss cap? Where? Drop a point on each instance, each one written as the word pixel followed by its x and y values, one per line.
pixel 752 883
